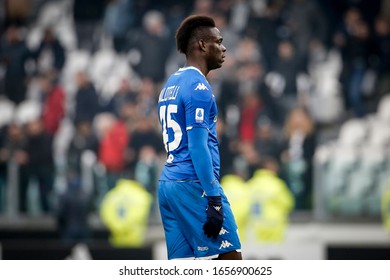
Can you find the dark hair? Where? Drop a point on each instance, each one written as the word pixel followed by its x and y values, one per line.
pixel 188 30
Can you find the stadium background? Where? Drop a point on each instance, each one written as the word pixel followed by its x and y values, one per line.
pixel 83 78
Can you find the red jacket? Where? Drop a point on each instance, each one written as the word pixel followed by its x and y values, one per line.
pixel 54 110
pixel 113 146
pixel 249 115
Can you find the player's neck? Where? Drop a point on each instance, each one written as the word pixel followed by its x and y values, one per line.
pixel 198 64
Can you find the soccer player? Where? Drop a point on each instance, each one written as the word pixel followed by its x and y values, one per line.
pixel 197 218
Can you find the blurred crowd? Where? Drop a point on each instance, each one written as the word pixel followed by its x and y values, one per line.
pixel 79 83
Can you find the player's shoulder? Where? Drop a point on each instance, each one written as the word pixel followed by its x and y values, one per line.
pixel 197 82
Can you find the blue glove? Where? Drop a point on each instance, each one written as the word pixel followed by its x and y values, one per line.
pixel 214 221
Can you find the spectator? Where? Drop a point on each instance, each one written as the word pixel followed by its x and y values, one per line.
pixel 3 168
pixel 250 77
pixel 250 111
pixel 271 202
pixel 17 12
pixel 53 103
pixel 247 159
pixel 288 66
pixel 36 162
pixel 248 51
pixel 266 28
pixel 240 88
pixel 88 16
pixel 112 148
pixel 305 23
pixel 147 98
pixel 227 149
pixel 144 134
pixel 175 13
pixel 129 112
pixel 249 68
pixel 227 92
pixel 147 168
pixel 203 7
pixel 13 56
pixel 125 94
pixel 119 18
pixel 352 39
pixel 282 82
pixel 356 65
pixel 73 210
pixel 125 211
pixel 87 100
pixel 153 44
pixel 50 54
pixel 350 18
pixel 230 37
pixel 382 48
pixel 83 140
pixel 11 150
pixel 297 154
pixel 238 16
pixel 267 143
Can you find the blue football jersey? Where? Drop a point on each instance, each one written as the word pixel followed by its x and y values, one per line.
pixel 186 101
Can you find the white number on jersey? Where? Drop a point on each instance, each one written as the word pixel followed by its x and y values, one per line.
pixel 167 122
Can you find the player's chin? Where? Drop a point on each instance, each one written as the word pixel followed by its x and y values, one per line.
pixel 219 64
pixel 216 65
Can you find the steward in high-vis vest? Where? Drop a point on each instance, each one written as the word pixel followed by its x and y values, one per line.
pixel 237 192
pixel 271 203
pixel 125 211
pixel 385 205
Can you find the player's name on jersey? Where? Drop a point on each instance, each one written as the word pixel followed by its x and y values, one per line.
pixel 169 93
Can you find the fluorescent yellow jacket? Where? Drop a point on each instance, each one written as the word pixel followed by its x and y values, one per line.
pixel 385 206
pixel 238 195
pixel 125 210
pixel 271 203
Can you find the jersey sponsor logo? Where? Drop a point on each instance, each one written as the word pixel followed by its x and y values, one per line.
pixel 223 231
pixel 202 248
pixel 199 115
pixel 201 86
pixel 225 244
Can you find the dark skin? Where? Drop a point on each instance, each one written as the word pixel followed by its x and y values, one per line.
pixel 206 55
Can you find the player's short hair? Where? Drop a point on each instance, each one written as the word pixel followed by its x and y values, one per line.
pixel 191 28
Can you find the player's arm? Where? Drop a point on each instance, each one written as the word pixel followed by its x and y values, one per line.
pixel 201 158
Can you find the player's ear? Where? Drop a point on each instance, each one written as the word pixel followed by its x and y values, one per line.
pixel 202 45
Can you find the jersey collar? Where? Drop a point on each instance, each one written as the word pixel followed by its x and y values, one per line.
pixel 191 67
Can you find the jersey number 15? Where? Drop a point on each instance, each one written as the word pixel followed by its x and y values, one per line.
pixel 165 115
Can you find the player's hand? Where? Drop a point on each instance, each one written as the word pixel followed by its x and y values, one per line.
pixel 214 221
